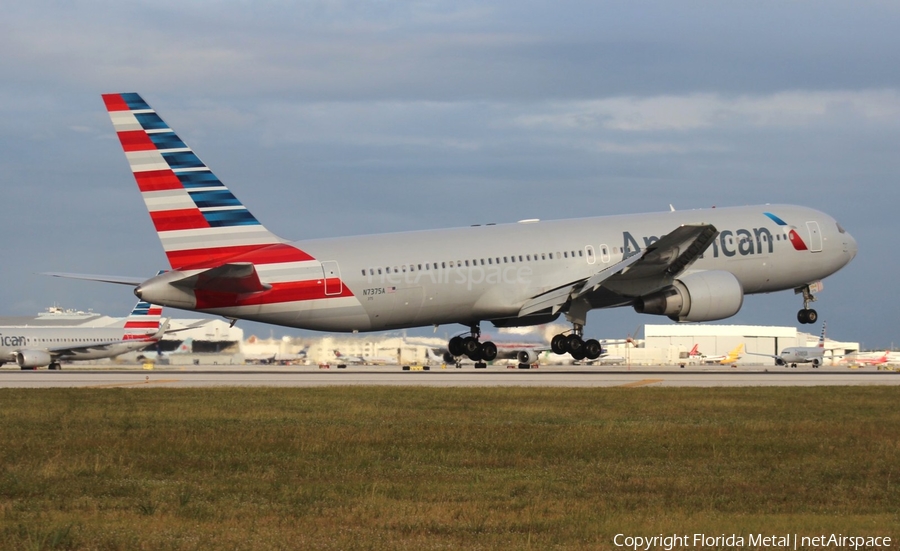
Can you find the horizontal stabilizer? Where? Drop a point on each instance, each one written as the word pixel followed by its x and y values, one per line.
pixel 236 278
pixel 119 280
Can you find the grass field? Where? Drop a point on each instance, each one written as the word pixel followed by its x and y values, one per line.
pixel 441 468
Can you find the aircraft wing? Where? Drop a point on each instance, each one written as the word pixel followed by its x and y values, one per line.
pixel 100 346
pixel 664 260
pixel 776 356
pixel 635 274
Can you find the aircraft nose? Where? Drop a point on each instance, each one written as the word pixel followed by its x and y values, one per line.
pixel 850 247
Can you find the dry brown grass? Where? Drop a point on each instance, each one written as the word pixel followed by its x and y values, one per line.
pixel 407 468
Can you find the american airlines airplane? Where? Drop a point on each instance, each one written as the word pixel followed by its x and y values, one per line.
pixel 794 355
pixel 694 265
pixel 34 347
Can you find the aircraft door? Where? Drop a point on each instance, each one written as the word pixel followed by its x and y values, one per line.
pixel 604 254
pixel 332 273
pixel 815 237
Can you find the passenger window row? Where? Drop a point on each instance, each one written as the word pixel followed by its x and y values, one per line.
pixel 490 261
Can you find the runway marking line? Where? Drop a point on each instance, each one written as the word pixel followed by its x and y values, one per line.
pixel 135 383
pixel 642 382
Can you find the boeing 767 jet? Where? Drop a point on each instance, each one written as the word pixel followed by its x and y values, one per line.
pixel 693 265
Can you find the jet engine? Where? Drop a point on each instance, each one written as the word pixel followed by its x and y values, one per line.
pixel 29 359
pixel 701 296
pixel 527 357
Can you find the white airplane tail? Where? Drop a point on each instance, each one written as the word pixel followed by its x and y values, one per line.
pixel 186 346
pixel 200 223
pixel 144 321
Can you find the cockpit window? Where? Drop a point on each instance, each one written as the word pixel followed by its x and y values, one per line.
pixel 840 228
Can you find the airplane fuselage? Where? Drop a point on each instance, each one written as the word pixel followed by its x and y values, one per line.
pixel 464 275
pixel 802 354
pixel 41 339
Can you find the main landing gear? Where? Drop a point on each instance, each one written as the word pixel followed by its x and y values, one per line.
pixel 470 346
pixel 574 345
pixel 807 314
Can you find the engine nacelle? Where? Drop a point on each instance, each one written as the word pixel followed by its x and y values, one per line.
pixel 32 358
pixel 701 296
pixel 527 357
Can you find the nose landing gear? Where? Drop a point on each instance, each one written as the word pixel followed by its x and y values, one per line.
pixel 807 314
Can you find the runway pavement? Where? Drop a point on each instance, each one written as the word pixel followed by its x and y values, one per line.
pixel 557 376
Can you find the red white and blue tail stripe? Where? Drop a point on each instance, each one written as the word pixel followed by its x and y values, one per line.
pixel 199 221
pixel 224 261
pixel 143 322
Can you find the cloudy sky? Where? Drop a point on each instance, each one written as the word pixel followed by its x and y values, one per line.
pixel 343 117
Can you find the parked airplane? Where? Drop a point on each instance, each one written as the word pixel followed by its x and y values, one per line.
pixel 733 356
pixel 871 359
pixel 695 352
pixel 794 355
pixel 688 265
pixel 186 347
pixel 363 360
pixel 34 347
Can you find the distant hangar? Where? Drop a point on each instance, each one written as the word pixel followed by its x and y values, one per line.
pixel 719 339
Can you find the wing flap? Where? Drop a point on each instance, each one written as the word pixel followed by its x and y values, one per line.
pixel 655 267
pixel 554 299
pixel 674 252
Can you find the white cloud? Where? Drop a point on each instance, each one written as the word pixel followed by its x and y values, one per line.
pixel 709 111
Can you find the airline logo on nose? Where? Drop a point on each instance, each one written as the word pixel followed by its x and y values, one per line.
pixel 790 231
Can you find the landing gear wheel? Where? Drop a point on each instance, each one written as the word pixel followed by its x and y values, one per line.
pixel 592 349
pixel 811 316
pixel 455 347
pixel 471 346
pixel 558 344
pixel 488 351
pixel 807 315
pixel 574 345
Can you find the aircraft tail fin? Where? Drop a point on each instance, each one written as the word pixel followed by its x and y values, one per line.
pixel 198 220
pixel 186 346
pixel 735 354
pixel 694 351
pixel 143 321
